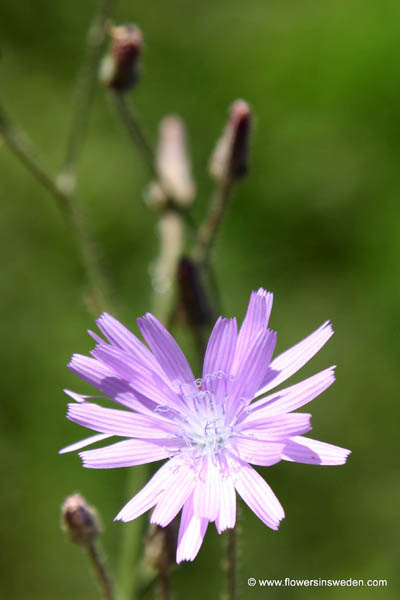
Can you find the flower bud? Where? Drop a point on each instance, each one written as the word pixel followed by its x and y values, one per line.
pixel 229 161
pixel 79 520
pixel 173 163
pixel 194 298
pixel 119 69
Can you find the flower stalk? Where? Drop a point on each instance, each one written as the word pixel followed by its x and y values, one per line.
pixel 81 525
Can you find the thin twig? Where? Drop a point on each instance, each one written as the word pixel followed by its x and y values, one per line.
pixel 101 571
pixel 230 564
pixel 134 130
pixel 209 229
pixel 19 144
pixel 86 84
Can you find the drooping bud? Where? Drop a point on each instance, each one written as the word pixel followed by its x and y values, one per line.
pixel 119 69
pixel 229 161
pixel 173 162
pixel 79 520
pixel 194 299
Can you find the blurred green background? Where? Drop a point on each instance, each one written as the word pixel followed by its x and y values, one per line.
pixel 317 222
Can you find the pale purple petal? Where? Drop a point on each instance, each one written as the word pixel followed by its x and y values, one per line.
pixel 191 533
pixel 149 495
pixel 89 369
pixel 288 363
pixel 79 397
pixel 312 452
pixel 226 517
pixel 221 347
pixel 207 493
pixel 118 422
pixel 143 380
pixel 172 500
pixel 86 442
pixel 129 453
pixel 258 496
pixel 292 397
pixel 259 452
pixel 123 393
pixel 255 321
pixel 120 336
pixel 166 350
pixel 279 427
pixel 251 371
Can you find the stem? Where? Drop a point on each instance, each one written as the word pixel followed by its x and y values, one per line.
pixel 86 85
pixel 102 574
pixel 209 229
pixel 230 564
pixel 132 534
pixel 19 144
pixel 135 130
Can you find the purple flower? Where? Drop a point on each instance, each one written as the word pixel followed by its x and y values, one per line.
pixel 209 429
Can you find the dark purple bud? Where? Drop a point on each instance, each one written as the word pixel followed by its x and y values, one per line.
pixel 120 68
pixel 231 155
pixel 194 299
pixel 79 520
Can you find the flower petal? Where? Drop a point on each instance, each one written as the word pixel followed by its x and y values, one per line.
pixel 292 397
pixel 312 452
pixel 207 493
pixel 256 320
pixel 128 453
pixel 145 381
pixel 166 350
pixel 251 372
pixel 89 369
pixel 149 495
pixel 289 362
pixel 121 337
pixel 259 452
pixel 258 496
pixel 118 422
pixel 221 347
pixel 191 533
pixel 226 518
pixel 172 500
pixel 279 427
pixel 86 442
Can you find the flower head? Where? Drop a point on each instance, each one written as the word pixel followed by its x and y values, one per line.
pixel 210 429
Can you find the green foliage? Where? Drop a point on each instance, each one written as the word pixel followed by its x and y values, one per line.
pixel 317 222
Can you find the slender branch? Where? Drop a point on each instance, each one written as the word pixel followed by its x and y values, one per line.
pixel 102 574
pixel 19 144
pixel 209 229
pixel 230 565
pixel 128 573
pixel 134 130
pixel 86 84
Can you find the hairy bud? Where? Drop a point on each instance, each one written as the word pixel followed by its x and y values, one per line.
pixel 194 298
pixel 173 163
pixel 120 67
pixel 79 520
pixel 229 161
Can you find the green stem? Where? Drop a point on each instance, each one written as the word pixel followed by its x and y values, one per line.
pixel 19 144
pixel 102 574
pixel 134 130
pixel 86 85
pixel 230 564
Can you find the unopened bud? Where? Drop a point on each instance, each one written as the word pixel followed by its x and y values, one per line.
pixel 79 520
pixel 194 299
pixel 173 163
pixel 229 161
pixel 119 69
